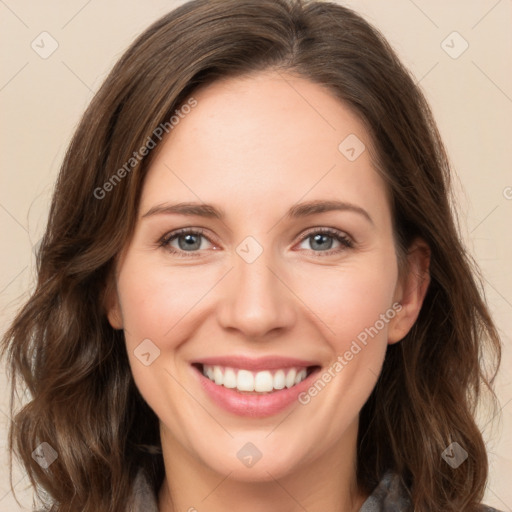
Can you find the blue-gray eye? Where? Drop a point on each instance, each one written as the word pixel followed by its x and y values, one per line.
pixel 188 240
pixel 323 240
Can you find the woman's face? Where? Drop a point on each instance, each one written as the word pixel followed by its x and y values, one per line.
pixel 293 275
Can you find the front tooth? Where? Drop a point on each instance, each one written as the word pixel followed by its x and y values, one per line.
pixel 301 375
pixel 279 379
pixel 245 381
pixel 229 378
pixel 290 378
pixel 263 382
pixel 218 377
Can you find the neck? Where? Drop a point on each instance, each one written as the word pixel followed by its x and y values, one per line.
pixel 325 483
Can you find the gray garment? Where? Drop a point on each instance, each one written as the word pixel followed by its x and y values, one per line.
pixel 143 499
pixel 388 496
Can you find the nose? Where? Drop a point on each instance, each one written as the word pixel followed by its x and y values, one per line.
pixel 256 301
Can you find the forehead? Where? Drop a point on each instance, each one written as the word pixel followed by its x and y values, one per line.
pixel 269 137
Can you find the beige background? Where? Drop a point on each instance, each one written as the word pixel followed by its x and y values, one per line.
pixel 471 95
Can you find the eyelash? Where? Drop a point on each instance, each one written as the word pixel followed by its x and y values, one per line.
pixel 339 236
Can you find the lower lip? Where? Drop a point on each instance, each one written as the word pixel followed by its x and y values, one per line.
pixel 255 406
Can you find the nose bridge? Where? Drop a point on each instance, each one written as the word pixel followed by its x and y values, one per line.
pixel 257 301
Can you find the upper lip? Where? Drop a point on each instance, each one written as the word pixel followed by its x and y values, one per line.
pixel 256 364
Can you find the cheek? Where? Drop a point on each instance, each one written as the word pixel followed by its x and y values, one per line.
pixel 160 304
pixel 349 301
pixel 354 309
pixel 156 304
pixel 155 299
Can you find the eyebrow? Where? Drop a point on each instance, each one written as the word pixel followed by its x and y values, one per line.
pixel 300 210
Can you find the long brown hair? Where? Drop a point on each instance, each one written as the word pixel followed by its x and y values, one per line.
pixel 61 348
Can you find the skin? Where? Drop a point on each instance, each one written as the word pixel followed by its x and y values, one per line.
pixel 253 147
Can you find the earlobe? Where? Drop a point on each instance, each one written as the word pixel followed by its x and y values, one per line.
pixel 111 305
pixel 114 317
pixel 411 290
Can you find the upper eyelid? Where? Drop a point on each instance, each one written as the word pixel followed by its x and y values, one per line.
pixel 172 235
pixel 168 236
pixel 327 230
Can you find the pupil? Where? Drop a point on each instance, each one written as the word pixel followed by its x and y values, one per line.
pixel 319 241
pixel 191 242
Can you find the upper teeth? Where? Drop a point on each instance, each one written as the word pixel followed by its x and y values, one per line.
pixel 245 380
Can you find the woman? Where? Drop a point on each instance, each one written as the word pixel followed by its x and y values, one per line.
pixel 251 290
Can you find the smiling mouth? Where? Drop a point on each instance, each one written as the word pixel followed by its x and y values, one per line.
pixel 255 382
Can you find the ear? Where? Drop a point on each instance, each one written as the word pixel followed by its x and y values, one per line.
pixel 411 289
pixel 111 304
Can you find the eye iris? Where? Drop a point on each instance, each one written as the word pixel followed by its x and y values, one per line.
pixel 321 241
pixel 191 242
